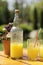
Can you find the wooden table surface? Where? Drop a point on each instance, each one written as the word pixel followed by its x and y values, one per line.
pixel 5 60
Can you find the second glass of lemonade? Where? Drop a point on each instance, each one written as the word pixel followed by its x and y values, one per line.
pixel 41 48
pixel 31 50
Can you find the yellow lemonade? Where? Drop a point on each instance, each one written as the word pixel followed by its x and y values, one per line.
pixel 41 51
pixel 16 50
pixel 32 52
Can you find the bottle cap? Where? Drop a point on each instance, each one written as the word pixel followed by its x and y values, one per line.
pixel 16 11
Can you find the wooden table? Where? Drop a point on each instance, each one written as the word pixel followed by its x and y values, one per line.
pixel 5 60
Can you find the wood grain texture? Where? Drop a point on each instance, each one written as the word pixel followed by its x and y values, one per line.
pixel 5 60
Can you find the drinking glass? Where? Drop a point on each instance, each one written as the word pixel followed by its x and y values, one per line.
pixel 41 48
pixel 32 51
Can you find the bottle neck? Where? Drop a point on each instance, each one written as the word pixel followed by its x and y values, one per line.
pixel 16 20
pixel 17 15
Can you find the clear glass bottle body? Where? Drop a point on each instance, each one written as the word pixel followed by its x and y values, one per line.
pixel 16 47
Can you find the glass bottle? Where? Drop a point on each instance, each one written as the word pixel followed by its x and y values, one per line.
pixel 16 47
